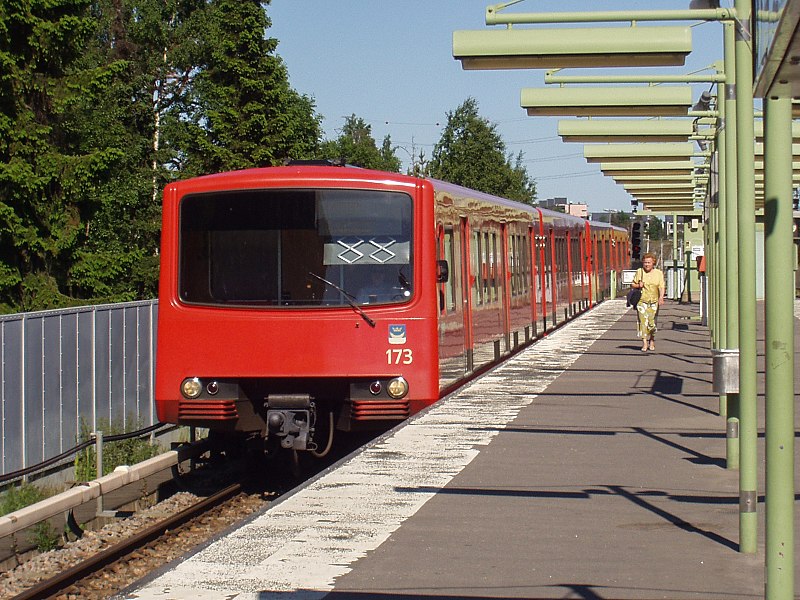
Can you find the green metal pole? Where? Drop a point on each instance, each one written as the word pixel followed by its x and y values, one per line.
pixel 731 248
pixel 748 429
pixel 675 279
pixel 779 330
pixel 725 160
pixel 714 277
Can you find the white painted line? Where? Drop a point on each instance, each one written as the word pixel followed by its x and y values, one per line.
pixel 304 543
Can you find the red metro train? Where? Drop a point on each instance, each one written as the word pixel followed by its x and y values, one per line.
pixel 300 300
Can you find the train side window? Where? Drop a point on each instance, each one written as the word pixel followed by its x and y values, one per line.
pixel 511 250
pixel 477 275
pixel 526 262
pixel 449 256
pixel 487 274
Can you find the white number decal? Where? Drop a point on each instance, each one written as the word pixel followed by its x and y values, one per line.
pixel 399 356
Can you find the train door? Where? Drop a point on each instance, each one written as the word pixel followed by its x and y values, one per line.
pixel 570 273
pixel 589 265
pixel 544 276
pixel 468 287
pixel 551 250
pixel 503 282
pixel 452 334
pixel 582 247
pixel 606 250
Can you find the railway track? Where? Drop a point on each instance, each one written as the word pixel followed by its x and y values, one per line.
pixel 112 561
pixel 120 564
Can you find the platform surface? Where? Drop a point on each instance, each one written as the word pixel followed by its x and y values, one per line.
pixel 580 468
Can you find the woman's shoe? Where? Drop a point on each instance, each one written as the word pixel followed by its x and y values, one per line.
pixel 644 348
pixel 652 345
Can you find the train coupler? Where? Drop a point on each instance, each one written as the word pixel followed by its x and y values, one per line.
pixel 290 418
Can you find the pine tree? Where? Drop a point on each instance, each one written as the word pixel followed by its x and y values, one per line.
pixel 471 153
pixel 356 146
pixel 42 170
pixel 239 110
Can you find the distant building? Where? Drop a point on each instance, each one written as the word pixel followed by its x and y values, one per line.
pixel 578 210
pixel 564 205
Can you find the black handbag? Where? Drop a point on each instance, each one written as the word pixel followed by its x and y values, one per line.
pixel 634 295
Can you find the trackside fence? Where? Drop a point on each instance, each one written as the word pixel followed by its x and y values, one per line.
pixel 62 368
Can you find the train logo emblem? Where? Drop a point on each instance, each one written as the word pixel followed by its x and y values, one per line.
pixel 397 334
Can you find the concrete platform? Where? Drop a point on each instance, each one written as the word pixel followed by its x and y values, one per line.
pixel 581 468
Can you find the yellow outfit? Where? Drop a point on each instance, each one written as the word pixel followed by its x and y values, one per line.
pixel 647 308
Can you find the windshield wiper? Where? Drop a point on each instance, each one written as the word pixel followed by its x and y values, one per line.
pixel 347 296
pixel 402 279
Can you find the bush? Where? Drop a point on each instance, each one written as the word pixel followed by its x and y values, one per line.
pixel 43 535
pixel 123 452
pixel 20 496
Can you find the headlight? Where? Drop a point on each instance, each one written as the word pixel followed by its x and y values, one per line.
pixel 397 387
pixel 191 388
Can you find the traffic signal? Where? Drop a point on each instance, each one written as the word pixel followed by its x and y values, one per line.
pixel 636 241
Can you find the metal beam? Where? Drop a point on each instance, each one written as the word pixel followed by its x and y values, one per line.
pixel 560 48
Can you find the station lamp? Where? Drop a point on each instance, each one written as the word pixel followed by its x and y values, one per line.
pixel 540 48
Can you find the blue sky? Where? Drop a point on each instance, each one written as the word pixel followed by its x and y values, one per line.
pixel 391 64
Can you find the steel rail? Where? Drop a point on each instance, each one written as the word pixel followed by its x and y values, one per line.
pixel 80 571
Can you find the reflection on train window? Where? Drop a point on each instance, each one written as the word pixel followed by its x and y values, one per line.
pixel 486 270
pixel 449 256
pixel 477 271
pixel 296 248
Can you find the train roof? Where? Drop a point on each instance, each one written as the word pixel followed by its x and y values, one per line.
pixel 604 225
pixel 321 170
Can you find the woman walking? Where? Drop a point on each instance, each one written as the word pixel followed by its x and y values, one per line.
pixel 651 281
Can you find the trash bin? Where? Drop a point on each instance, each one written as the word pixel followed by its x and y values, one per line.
pixel 725 371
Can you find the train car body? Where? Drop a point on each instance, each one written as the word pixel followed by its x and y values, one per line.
pixel 291 292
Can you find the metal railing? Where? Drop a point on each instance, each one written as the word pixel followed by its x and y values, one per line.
pixel 62 370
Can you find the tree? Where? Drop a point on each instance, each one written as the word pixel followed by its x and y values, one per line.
pixel 238 110
pixel 43 172
pixel 356 146
pixel 471 153
pixel 620 218
pixel 655 228
pixel 104 101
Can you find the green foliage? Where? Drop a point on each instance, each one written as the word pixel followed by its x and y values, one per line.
pixel 356 146
pixel 39 166
pixel 20 496
pixel 102 102
pixel 43 535
pixel 471 153
pixel 122 452
pixel 620 218
pixel 656 229
pixel 239 110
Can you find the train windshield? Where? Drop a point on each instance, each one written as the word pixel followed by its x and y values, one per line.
pixel 296 248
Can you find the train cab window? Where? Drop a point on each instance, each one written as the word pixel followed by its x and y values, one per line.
pixel 296 248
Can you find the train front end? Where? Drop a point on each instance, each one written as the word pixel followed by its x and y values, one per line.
pixel 296 300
